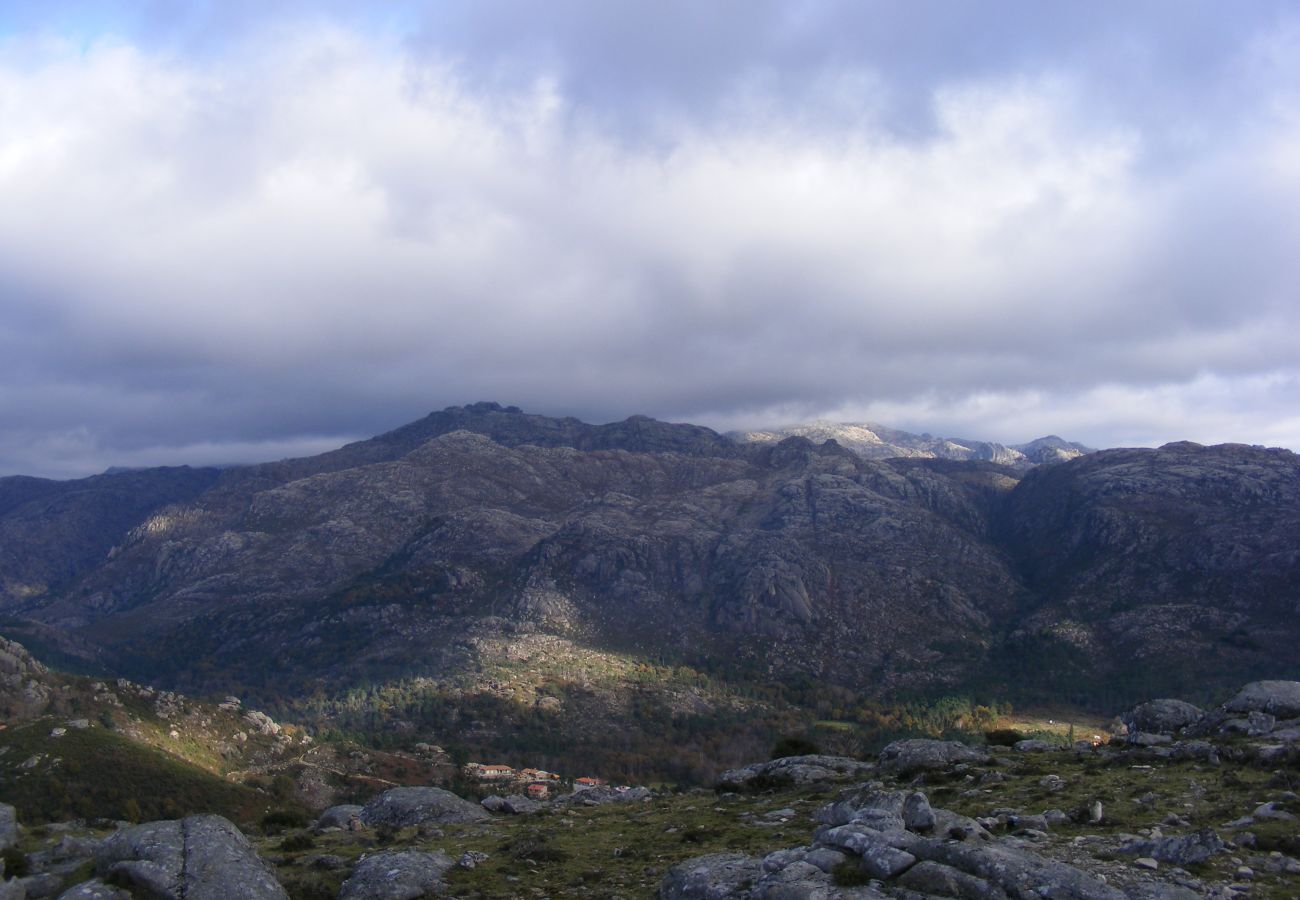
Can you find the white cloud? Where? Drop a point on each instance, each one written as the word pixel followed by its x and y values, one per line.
pixel 314 232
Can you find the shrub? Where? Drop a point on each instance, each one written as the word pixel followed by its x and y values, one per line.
pixel 1003 737
pixel 279 819
pixel 299 840
pixel 794 745
pixel 16 865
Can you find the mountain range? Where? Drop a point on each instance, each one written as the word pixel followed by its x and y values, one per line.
pixel 767 557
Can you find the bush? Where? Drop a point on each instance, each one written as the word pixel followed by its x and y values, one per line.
pixel 1003 737
pixel 16 865
pixel 794 745
pixel 279 819
pixel 299 840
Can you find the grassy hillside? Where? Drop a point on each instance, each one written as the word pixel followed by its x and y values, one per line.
pixel 95 772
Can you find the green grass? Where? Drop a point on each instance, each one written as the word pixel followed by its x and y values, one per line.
pixel 98 773
pixel 620 849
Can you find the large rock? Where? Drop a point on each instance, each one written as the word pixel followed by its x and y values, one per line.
pixel 921 754
pixel 94 890
pixel 936 879
pixel 404 806
pixel 339 816
pixel 1019 873
pixel 196 858
pixel 1277 698
pixel 600 796
pixel 717 877
pixel 882 810
pixel 404 875
pixel 794 770
pixel 1180 850
pixel 8 826
pixel 1162 716
pixel 514 805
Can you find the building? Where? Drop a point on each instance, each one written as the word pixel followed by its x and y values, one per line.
pixel 488 773
pixel 586 784
pixel 539 791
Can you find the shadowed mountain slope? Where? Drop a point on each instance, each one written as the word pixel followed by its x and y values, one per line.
pixel 772 560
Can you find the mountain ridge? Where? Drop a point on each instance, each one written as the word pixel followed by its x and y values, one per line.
pixel 776 559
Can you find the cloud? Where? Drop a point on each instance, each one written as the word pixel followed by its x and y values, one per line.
pixel 322 227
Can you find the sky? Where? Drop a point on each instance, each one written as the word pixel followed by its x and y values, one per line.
pixel 234 231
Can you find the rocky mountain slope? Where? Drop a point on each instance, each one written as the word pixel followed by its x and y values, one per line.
pixel 772 561
pixel 872 441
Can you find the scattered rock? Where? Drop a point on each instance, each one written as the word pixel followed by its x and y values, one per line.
pixel 921 754
pixel 338 816
pixel 1183 850
pixel 794 770
pixel 514 805
pixel 400 875
pixel 717 877
pixel 405 806
pixel 1162 716
pixel 1276 698
pixel 1035 746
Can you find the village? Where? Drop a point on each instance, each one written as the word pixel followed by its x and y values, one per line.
pixel 537 784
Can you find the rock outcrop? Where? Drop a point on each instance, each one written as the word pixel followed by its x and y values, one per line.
pixel 398 875
pixel 921 754
pixel 794 770
pixel 405 806
pixel 196 858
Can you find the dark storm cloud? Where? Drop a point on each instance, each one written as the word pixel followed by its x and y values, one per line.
pixel 228 234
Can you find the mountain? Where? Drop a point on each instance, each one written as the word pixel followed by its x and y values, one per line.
pixel 872 441
pixel 483 539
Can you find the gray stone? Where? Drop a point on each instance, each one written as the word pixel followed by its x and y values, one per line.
pixel 917 813
pixel 1159 890
pixel 1018 872
pixel 957 827
pixel 1035 746
pixel 12 890
pixel 196 858
pixel 1162 716
pixel 865 804
pixel 8 826
pixel 94 890
pixel 338 816
pixel 936 879
pixel 779 859
pixel 825 858
pixel 400 875
pixel 600 796
pixel 1020 822
pixel 720 876
pixel 38 887
pixel 514 805
pixel 1181 850
pixel 1277 698
pixel 794 770
pixel 406 806
pixel 1272 811
pixel 921 755
pixel 797 881
pixel 879 858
